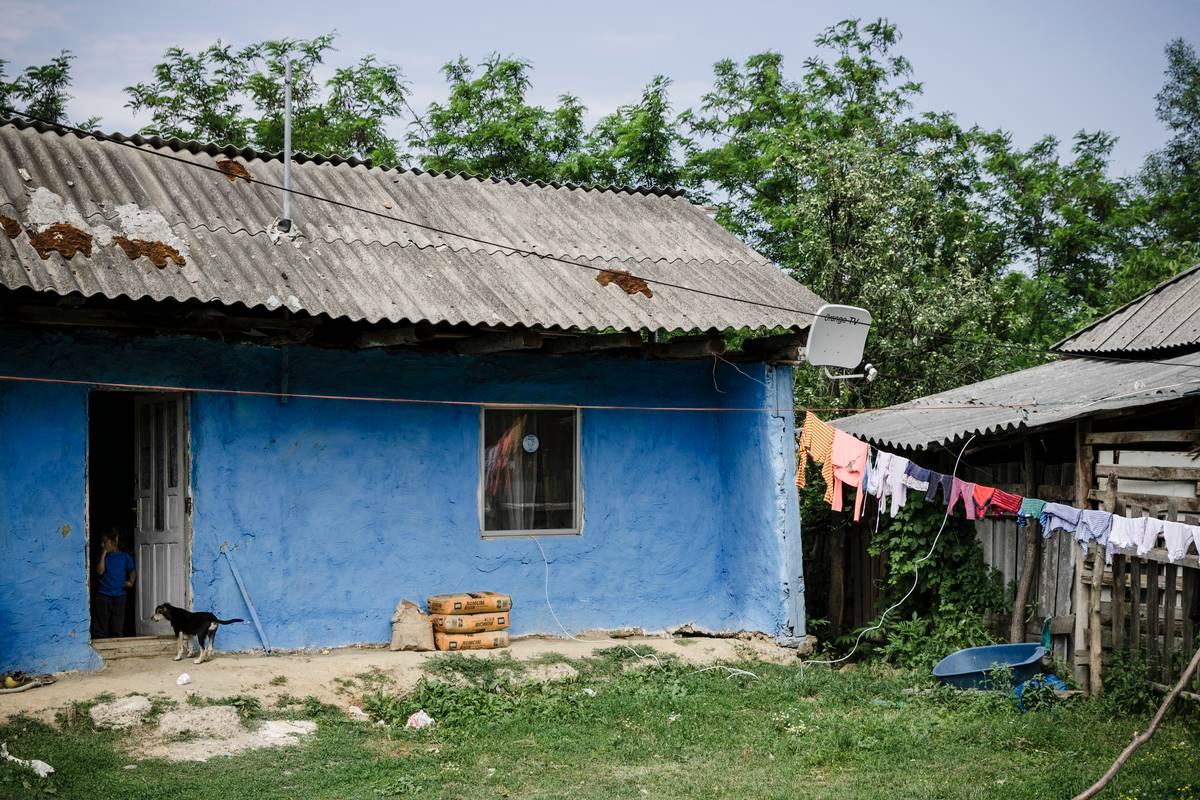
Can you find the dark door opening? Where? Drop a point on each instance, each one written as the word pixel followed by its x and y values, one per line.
pixel 112 488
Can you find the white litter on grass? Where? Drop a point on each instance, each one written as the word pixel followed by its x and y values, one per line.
pixel 40 768
pixel 358 714
pixel 184 679
pixel 418 721
pixel 590 692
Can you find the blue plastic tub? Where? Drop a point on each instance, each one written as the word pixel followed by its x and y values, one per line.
pixel 971 668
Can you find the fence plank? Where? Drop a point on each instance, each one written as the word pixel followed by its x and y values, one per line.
pixel 1135 605
pixel 1169 628
pixel 1118 602
pixel 1152 604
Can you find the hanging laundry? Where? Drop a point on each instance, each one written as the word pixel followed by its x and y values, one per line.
pixel 939 481
pixel 1152 528
pixel 891 482
pixel 1031 508
pixel 966 491
pixel 816 443
pixel 1178 538
pixel 1094 527
pixel 982 496
pixel 1003 502
pixel 1126 534
pixel 1058 517
pixel 917 478
pixel 849 460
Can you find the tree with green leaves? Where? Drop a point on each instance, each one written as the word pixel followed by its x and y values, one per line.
pixel 486 126
pixel 236 96
pixel 41 90
pixel 639 144
pixel 830 177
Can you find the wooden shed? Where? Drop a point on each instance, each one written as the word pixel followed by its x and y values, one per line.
pixel 1114 423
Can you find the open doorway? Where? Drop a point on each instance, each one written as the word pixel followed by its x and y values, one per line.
pixel 112 494
pixel 137 492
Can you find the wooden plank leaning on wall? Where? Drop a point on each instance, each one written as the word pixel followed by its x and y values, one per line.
pixel 1084 472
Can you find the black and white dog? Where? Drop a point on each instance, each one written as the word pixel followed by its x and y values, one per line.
pixel 186 624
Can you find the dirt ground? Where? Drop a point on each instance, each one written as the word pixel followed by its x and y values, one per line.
pixel 323 674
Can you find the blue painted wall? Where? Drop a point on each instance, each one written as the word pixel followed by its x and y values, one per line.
pixel 336 510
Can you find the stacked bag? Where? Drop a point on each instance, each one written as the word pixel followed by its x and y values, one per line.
pixel 469 620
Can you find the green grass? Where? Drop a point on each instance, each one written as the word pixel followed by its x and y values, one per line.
pixel 661 732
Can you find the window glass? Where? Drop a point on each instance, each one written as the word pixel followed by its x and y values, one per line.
pixel 530 470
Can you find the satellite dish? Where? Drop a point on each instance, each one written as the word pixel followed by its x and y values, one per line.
pixel 836 339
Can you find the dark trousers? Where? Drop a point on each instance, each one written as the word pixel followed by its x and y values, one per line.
pixel 108 616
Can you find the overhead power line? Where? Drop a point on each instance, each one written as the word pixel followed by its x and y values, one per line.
pixel 1039 351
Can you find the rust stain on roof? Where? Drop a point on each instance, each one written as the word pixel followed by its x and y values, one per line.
pixel 10 226
pixel 629 282
pixel 233 169
pixel 157 252
pixel 61 238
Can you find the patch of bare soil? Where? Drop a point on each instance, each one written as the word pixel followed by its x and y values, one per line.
pixel 334 676
pixel 198 734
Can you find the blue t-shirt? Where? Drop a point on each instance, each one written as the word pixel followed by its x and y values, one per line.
pixel 117 567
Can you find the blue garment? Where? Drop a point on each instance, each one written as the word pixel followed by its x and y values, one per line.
pixel 1058 517
pixel 1094 526
pixel 939 481
pixel 117 567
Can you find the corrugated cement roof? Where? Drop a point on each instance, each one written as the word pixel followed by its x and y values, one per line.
pixel 346 264
pixel 1051 393
pixel 1164 318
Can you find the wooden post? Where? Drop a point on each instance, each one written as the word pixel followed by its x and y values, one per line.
pixel 1095 642
pixel 1084 471
pixel 1016 629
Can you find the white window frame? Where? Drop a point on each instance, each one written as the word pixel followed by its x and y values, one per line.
pixel 577 529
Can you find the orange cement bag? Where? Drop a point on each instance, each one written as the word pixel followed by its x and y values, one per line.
pixel 471 641
pixel 468 603
pixel 468 623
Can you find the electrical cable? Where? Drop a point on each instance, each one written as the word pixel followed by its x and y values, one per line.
pixel 80 132
pixel 916 579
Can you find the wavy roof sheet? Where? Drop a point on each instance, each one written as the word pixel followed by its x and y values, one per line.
pixel 1165 318
pixel 1048 394
pixel 347 264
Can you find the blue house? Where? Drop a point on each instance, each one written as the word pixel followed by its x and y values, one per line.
pixel 402 393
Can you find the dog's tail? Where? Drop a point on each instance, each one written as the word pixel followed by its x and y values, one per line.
pixel 229 621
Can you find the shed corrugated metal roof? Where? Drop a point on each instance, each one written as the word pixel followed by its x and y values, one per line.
pixel 346 264
pixel 1164 318
pixel 1051 393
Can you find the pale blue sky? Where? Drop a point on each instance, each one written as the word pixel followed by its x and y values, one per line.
pixel 1029 67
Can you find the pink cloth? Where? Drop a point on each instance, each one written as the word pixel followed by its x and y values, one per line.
pixel 967 492
pixel 849 462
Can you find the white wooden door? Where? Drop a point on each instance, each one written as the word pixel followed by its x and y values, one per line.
pixel 160 439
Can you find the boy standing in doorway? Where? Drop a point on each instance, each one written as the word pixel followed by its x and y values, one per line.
pixel 117 574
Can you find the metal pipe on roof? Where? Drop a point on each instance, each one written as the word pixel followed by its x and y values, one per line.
pixel 287 145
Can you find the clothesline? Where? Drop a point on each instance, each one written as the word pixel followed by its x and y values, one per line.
pixel 848 461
